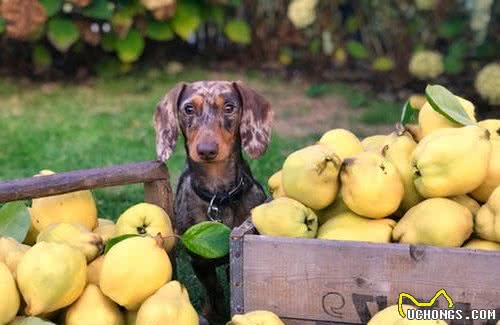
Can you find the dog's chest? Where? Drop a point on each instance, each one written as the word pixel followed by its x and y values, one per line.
pixel 191 209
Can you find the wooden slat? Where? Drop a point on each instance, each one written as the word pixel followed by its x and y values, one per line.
pixel 34 187
pixel 236 280
pixel 290 321
pixel 159 192
pixel 342 281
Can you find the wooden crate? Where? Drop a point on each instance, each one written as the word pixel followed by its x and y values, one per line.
pixel 312 281
pixel 153 174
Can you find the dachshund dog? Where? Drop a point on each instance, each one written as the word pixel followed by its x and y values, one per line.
pixel 217 120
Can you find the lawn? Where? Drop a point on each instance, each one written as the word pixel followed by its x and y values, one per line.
pixel 107 121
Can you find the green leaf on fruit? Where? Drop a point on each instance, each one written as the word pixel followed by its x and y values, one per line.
pixel 52 7
pixel 408 114
pixel 444 102
pixel 2 25
pixel 159 30
pixel 99 9
pixel 131 47
pixel 238 31
pixel 62 33
pixel 208 239
pixel 15 220
pixel 187 19
pixel 357 50
pixel 115 240
pixel 31 321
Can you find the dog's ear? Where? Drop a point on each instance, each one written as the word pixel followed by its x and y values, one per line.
pixel 256 121
pixel 165 123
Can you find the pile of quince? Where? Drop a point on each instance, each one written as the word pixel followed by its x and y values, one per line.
pixel 434 182
pixel 61 275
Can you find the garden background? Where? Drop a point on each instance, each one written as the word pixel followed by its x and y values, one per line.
pixel 79 79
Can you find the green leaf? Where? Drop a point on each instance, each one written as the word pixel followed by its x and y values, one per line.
pixel 214 14
pixel 187 19
pixel 357 50
pixel 52 7
pixel 42 59
pixel 108 68
pixel 62 33
pixel 487 50
pixel 453 64
pixel 238 31
pixel 451 28
pixel 98 9
pixel 208 239
pixel 31 321
pixel 444 102
pixel 115 240
pixel 15 220
pixel 458 49
pixel 383 64
pixel 159 30
pixel 315 46
pixel 131 47
pixel 352 24
pixel 108 42
pixel 408 114
pixel 2 25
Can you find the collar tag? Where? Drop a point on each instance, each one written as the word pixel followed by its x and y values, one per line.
pixel 213 212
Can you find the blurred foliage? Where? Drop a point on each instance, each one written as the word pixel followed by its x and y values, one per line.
pixel 375 37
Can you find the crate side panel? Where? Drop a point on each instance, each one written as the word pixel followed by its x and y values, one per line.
pixel 349 281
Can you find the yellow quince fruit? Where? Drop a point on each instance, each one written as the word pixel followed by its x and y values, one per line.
pixel 452 161
pixel 285 217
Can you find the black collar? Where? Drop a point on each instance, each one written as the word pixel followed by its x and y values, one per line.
pixel 219 200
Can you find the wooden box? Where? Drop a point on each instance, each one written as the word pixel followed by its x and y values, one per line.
pixel 312 281
pixel 153 174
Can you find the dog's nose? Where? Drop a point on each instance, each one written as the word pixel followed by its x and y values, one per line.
pixel 207 150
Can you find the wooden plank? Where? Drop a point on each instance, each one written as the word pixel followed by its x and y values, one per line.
pixel 236 266
pixel 160 193
pixel 291 321
pixel 348 282
pixel 34 187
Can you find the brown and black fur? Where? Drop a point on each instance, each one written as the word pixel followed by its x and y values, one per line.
pixel 218 119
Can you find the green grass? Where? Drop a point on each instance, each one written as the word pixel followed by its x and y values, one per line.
pixel 381 112
pixel 374 111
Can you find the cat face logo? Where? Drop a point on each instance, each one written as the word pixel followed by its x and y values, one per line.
pixel 441 292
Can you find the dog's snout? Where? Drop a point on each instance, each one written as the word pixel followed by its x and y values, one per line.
pixel 207 150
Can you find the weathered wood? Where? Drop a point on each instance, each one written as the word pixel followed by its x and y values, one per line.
pixel 34 187
pixel 236 266
pixel 340 281
pixel 290 321
pixel 160 193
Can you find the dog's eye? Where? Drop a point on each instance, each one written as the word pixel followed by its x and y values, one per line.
pixel 189 109
pixel 229 108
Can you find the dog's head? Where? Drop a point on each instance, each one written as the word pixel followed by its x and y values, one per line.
pixel 214 117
